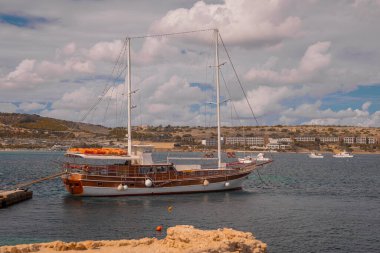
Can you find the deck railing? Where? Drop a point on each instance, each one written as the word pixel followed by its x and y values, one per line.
pixel 168 172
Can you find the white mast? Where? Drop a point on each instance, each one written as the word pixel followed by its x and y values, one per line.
pixel 129 98
pixel 218 96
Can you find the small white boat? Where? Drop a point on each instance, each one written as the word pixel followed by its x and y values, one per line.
pixel 260 157
pixel 315 155
pixel 246 160
pixel 343 154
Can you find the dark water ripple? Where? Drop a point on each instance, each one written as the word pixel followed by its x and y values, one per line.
pixel 296 204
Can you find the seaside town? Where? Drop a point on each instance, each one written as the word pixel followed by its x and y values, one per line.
pixel 19 131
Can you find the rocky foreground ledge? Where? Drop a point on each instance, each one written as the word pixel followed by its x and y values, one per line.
pixel 179 239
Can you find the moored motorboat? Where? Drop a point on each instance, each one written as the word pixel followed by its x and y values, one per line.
pixel 343 154
pixel 260 157
pixel 315 155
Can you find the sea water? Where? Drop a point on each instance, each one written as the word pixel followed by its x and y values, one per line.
pixel 296 204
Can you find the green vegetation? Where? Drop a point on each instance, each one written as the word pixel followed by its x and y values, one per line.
pixel 43 124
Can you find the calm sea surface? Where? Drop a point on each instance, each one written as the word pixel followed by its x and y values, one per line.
pixel 296 204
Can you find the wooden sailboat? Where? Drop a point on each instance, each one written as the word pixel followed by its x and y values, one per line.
pixel 133 172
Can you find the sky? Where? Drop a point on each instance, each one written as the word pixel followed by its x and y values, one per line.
pixel 299 62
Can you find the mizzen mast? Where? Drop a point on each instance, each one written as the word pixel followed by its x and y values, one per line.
pixel 129 131
pixel 217 66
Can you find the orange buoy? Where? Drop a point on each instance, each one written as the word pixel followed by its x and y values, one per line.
pixel 158 228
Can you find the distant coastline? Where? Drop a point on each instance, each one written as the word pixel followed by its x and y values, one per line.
pixel 208 150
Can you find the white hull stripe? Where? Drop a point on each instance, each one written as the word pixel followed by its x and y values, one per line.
pixel 113 191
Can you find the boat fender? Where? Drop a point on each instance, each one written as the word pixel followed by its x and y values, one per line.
pixel 120 187
pixel 226 184
pixel 125 187
pixel 206 182
pixel 148 183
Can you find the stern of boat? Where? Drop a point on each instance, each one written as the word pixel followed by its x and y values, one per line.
pixel 73 183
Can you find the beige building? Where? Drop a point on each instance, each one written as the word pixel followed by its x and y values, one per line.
pixel 329 139
pixel 349 140
pixel 372 140
pixel 361 140
pixel 305 138
pixel 244 141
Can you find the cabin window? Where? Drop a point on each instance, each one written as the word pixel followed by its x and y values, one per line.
pixel 161 169
pixel 100 184
pixel 145 170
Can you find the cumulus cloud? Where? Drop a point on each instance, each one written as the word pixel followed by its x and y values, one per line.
pixel 105 51
pixel 315 59
pixel 264 100
pixel 24 73
pixel 31 106
pixel 316 116
pixel 31 72
pixel 69 49
pixel 249 23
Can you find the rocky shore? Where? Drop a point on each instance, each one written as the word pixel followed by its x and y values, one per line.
pixel 181 238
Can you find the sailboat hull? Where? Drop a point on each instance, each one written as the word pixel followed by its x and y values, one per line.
pixel 233 184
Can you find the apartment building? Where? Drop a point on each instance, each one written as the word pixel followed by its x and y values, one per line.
pixel 305 139
pixel 349 140
pixel 285 140
pixel 235 140
pixel 244 141
pixel 361 140
pixel 209 142
pixel 254 140
pixel 329 139
pixel 372 140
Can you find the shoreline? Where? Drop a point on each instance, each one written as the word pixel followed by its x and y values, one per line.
pixel 181 238
pixel 211 150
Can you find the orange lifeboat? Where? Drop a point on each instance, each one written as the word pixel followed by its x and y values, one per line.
pixel 99 151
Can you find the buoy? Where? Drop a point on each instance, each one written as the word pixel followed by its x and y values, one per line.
pixel 148 183
pixel 120 187
pixel 158 228
pixel 125 187
pixel 206 182
pixel 226 184
pixel 170 209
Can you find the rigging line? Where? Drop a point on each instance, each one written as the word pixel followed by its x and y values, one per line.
pixel 233 105
pixel 107 86
pixel 108 104
pixel 262 181
pixel 169 34
pixel 105 90
pixel 229 94
pixel 238 79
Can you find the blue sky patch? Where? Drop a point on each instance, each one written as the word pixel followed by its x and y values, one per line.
pixel 22 21
pixel 354 99
pixel 202 86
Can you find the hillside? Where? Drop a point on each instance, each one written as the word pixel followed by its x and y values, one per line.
pixel 14 122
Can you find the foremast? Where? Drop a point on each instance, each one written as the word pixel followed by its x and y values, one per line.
pixel 217 66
